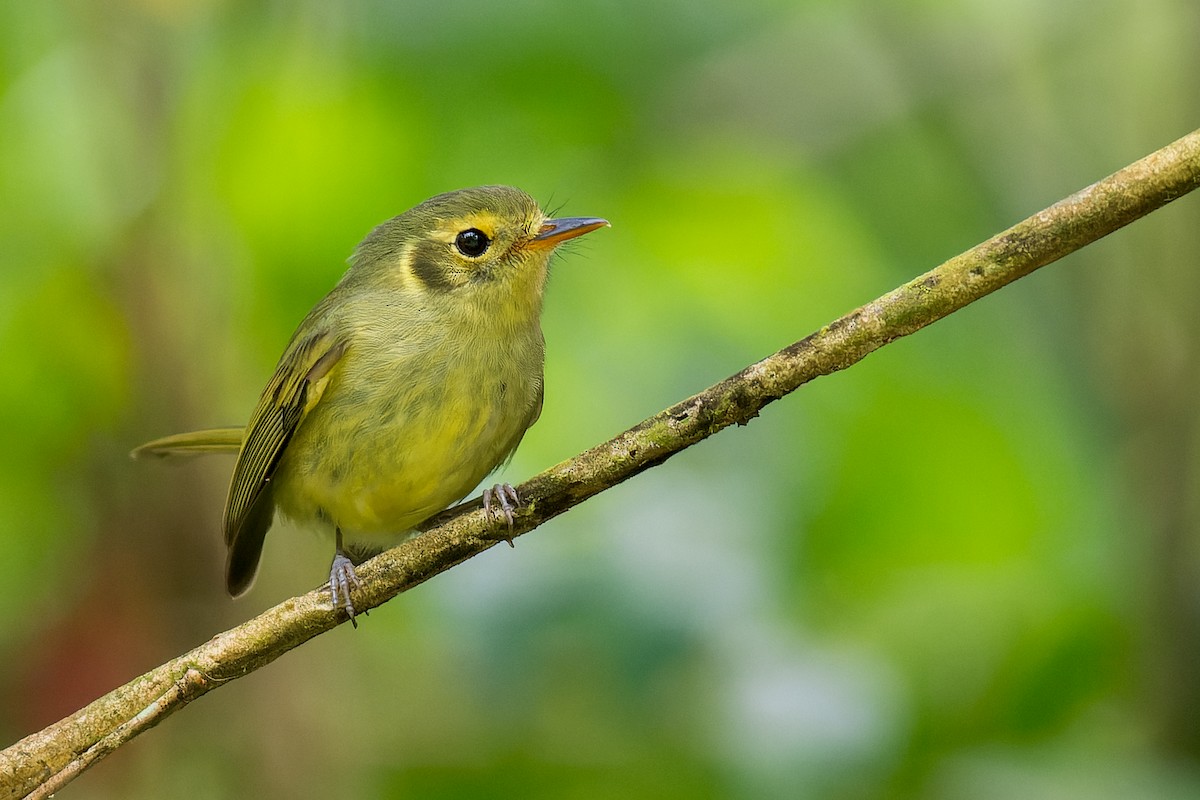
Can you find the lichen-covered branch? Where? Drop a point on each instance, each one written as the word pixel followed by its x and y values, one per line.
pixel 45 761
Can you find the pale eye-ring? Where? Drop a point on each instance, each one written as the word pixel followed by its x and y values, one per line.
pixel 472 242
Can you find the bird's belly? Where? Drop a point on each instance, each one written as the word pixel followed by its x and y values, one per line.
pixel 380 462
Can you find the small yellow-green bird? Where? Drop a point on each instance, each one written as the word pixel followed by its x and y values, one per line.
pixel 402 389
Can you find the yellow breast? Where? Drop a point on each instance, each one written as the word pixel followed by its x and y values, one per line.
pixel 406 429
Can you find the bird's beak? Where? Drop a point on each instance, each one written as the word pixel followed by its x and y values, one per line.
pixel 556 231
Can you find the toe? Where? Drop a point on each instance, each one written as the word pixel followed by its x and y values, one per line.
pixel 342 581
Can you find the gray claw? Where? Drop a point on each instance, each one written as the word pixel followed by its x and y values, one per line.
pixel 506 497
pixel 343 579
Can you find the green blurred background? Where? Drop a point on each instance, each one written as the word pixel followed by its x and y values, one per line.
pixel 967 567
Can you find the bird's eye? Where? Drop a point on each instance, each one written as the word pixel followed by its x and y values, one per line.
pixel 472 242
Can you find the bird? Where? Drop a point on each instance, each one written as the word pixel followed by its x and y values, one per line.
pixel 402 389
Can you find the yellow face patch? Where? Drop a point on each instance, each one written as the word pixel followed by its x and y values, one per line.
pixel 484 221
pixel 458 249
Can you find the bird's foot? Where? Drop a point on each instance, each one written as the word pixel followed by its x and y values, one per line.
pixel 342 580
pixel 506 497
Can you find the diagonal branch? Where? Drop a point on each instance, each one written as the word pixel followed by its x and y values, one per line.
pixel 46 761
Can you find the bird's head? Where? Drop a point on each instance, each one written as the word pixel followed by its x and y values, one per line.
pixel 491 242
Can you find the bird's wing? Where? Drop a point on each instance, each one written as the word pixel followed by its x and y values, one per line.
pixel 534 413
pixel 294 389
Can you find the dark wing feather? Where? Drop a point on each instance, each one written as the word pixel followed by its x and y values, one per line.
pixel 281 409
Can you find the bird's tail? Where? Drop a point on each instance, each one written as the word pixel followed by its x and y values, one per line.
pixel 194 443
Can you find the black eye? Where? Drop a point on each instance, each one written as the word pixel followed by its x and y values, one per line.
pixel 472 242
